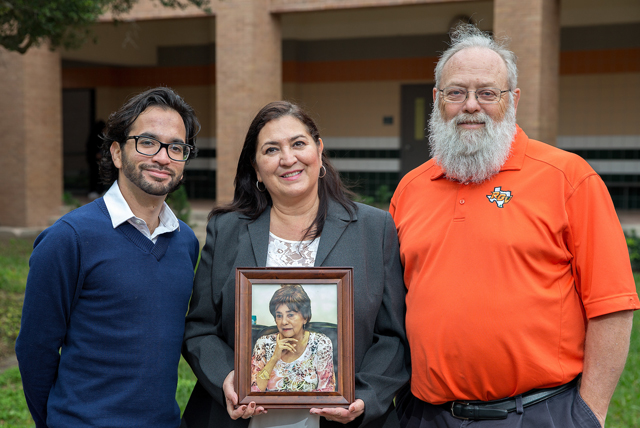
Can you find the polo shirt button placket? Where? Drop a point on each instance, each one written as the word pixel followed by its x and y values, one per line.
pixel 460 212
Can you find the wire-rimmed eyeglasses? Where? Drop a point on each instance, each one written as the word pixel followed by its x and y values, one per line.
pixel 150 146
pixel 456 94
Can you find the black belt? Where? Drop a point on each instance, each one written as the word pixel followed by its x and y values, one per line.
pixel 499 409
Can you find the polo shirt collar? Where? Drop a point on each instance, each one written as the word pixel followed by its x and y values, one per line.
pixel 513 163
pixel 518 150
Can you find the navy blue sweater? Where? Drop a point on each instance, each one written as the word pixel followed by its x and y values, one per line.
pixel 103 321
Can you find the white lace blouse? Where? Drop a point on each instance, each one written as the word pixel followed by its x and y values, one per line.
pixel 283 253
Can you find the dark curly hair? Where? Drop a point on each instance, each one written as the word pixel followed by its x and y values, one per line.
pixel 120 123
pixel 251 202
pixel 296 299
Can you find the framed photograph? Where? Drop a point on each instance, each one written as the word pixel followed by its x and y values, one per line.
pixel 294 337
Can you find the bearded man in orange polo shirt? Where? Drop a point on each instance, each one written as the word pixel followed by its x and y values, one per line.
pixel 520 293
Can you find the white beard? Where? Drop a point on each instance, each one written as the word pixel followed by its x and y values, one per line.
pixel 471 155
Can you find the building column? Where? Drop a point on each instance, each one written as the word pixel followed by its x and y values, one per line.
pixel 31 132
pixel 534 29
pixel 248 76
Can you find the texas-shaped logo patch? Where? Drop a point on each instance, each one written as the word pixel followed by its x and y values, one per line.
pixel 499 196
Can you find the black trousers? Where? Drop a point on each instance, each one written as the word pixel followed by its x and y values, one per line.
pixel 565 410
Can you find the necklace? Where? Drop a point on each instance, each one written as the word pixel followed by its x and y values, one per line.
pixel 303 344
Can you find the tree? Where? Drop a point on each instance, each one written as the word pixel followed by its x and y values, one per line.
pixel 66 23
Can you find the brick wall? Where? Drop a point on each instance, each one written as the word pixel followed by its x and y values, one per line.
pixel 31 128
pixel 534 29
pixel 249 72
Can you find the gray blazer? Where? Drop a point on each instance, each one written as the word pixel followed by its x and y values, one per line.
pixel 369 244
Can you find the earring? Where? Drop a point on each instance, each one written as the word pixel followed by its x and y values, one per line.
pixel 325 171
pixel 258 186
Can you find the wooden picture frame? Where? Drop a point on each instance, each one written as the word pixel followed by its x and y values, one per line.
pixel 258 284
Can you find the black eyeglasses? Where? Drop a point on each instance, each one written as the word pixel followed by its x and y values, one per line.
pixel 150 146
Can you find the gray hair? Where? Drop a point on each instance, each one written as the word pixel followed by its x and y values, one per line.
pixel 469 36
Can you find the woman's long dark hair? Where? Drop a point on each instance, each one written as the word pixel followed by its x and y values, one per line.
pixel 252 203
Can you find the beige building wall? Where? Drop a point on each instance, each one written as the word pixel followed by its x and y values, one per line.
pixel 599 104
pixel 350 109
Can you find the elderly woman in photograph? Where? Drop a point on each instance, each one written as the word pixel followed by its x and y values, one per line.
pixel 294 359
pixel 290 208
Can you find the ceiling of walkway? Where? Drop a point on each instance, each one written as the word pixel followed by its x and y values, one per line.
pixel 136 43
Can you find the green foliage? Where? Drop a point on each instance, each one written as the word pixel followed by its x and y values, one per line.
pixel 10 312
pixel 14 264
pixel 179 203
pixel 633 244
pixel 26 23
pixel 382 197
pixel 13 408
pixel 368 200
pixel 70 201
pixel 186 383
pixel 383 194
pixel 14 268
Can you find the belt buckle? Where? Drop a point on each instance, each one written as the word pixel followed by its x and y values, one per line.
pixel 453 403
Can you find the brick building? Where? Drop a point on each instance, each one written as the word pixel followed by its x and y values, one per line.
pixel 363 68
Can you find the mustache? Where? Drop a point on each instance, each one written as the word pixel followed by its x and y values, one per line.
pixel 471 118
pixel 148 167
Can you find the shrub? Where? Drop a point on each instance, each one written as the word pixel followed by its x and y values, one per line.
pixel 179 203
pixel 633 244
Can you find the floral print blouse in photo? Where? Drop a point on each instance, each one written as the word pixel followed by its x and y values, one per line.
pixel 311 372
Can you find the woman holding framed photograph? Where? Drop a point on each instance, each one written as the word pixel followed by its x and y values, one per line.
pixel 290 208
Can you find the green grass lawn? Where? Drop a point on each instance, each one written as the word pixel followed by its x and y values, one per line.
pixel 14 267
pixel 624 411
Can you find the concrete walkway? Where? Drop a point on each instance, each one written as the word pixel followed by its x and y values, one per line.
pixel 8 362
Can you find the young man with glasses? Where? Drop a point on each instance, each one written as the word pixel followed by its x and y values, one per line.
pixel 520 292
pixel 109 283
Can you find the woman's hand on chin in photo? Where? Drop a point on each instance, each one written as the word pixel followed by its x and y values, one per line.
pixel 231 397
pixel 283 345
pixel 338 414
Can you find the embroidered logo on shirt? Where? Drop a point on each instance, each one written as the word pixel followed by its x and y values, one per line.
pixel 499 196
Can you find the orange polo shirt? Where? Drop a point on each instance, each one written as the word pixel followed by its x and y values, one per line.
pixel 502 276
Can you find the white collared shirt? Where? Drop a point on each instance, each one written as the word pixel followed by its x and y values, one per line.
pixel 120 212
